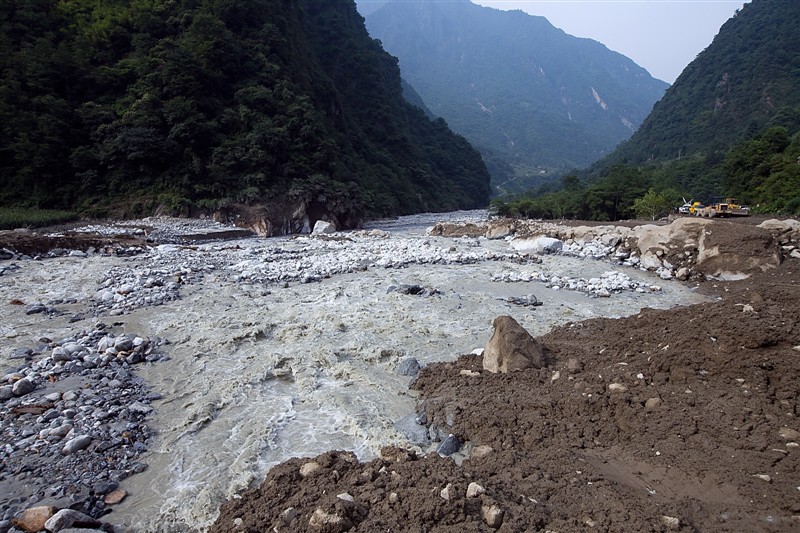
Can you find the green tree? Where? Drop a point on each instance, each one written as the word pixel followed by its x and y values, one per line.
pixel 652 205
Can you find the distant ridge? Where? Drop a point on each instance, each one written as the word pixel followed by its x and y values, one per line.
pixel 521 90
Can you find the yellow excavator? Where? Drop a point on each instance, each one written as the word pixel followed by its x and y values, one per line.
pixel 719 207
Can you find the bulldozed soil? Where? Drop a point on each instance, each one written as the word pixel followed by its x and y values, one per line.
pixel 670 420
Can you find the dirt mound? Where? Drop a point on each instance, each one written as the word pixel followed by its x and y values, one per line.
pixel 32 243
pixel 684 419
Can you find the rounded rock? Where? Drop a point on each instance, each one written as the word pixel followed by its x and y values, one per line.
pixel 22 387
pixel 77 444
pixel 408 367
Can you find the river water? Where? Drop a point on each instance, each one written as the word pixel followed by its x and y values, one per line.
pixel 261 372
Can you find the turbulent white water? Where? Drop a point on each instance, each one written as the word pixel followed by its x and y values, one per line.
pixel 260 373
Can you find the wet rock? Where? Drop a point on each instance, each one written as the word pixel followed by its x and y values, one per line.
pixel 449 446
pixel 33 520
pixel 36 309
pixel 21 353
pixel 511 348
pixel 114 497
pixel 408 367
pixel 529 300
pixel 415 432
pixel 413 290
pixel 123 343
pixel 67 518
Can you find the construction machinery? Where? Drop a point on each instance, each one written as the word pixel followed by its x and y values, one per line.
pixel 719 207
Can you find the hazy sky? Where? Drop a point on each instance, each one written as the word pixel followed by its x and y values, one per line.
pixel 663 36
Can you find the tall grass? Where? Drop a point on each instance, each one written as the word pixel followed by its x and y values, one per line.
pixel 21 217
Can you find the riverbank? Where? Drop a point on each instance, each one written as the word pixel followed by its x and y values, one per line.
pixel 290 347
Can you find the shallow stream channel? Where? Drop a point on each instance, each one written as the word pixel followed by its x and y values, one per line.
pixel 291 346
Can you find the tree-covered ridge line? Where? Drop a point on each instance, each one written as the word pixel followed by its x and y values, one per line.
pixel 127 106
pixel 763 173
pixel 729 126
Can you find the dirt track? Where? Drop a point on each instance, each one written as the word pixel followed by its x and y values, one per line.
pixel 698 433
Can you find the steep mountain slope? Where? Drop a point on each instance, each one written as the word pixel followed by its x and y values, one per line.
pixel 137 105
pixel 730 125
pixel 514 85
pixel 746 80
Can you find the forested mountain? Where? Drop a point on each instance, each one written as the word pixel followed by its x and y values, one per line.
pixel 746 80
pixel 128 106
pixel 522 91
pixel 729 126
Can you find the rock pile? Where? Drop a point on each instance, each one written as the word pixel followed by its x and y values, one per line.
pixel 685 249
pixel 73 425
pixel 608 283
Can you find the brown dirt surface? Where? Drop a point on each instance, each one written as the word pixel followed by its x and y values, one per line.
pixel 35 243
pixel 669 420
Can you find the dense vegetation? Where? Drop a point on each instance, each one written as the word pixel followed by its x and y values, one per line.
pixel 729 126
pixel 763 172
pixel 535 101
pixel 129 106
pixel 15 217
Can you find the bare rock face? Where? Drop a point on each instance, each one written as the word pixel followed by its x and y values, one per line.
pixel 289 216
pixel 511 348
pixel 695 245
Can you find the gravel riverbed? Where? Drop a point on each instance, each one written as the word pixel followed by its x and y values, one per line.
pixel 179 371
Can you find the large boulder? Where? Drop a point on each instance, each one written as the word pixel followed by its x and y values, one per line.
pixel 323 227
pixel 511 348
pixel 537 245
pixel 709 248
pixel 34 519
pixel 789 225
